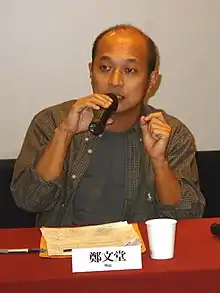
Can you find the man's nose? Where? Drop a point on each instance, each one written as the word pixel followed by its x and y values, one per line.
pixel 116 79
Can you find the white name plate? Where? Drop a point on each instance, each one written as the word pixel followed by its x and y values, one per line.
pixel 106 259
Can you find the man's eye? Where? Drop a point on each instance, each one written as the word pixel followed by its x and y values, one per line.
pixel 105 68
pixel 130 70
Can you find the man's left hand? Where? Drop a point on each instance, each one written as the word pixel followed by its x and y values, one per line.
pixel 156 134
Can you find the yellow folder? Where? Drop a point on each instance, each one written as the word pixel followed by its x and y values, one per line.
pixel 43 245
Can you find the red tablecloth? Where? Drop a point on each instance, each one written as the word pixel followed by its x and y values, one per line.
pixel 195 267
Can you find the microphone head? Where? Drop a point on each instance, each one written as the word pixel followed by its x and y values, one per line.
pixel 215 229
pixel 114 98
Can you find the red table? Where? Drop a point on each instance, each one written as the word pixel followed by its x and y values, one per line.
pixel 195 268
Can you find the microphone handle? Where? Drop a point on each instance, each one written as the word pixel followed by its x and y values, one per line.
pixel 97 126
pixel 101 116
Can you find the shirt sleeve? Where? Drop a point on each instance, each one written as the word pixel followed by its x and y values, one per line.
pixel 182 161
pixel 29 190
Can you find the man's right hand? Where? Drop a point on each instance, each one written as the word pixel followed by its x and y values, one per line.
pixel 81 114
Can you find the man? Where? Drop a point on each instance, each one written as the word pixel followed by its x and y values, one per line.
pixel 142 167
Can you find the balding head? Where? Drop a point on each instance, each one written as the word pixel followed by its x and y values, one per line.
pixel 123 62
pixel 133 33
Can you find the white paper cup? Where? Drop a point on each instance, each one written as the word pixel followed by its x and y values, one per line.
pixel 161 237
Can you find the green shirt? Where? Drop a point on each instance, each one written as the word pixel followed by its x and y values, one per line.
pixel 53 201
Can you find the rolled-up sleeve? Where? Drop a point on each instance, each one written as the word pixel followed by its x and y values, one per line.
pixel 182 161
pixel 29 190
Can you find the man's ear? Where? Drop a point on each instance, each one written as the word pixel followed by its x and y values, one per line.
pixel 154 84
pixel 154 77
pixel 90 69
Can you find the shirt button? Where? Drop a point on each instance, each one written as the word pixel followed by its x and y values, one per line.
pixel 90 151
pixel 100 135
pixel 141 139
pixel 74 176
pixel 63 205
pixel 86 139
pixel 148 196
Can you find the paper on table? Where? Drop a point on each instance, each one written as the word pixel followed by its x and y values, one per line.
pixel 43 245
pixel 113 234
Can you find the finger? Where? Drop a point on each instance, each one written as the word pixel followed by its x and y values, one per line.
pixel 90 105
pixel 110 121
pixel 91 102
pixel 157 115
pixel 160 133
pixel 158 122
pixel 145 128
pixel 81 106
pixel 143 121
pixel 100 101
pixel 154 121
pixel 103 98
pixel 157 126
pixel 155 137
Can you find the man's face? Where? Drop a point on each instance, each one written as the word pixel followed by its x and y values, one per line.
pixel 121 67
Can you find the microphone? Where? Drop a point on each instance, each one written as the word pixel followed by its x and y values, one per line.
pixel 101 116
pixel 215 229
